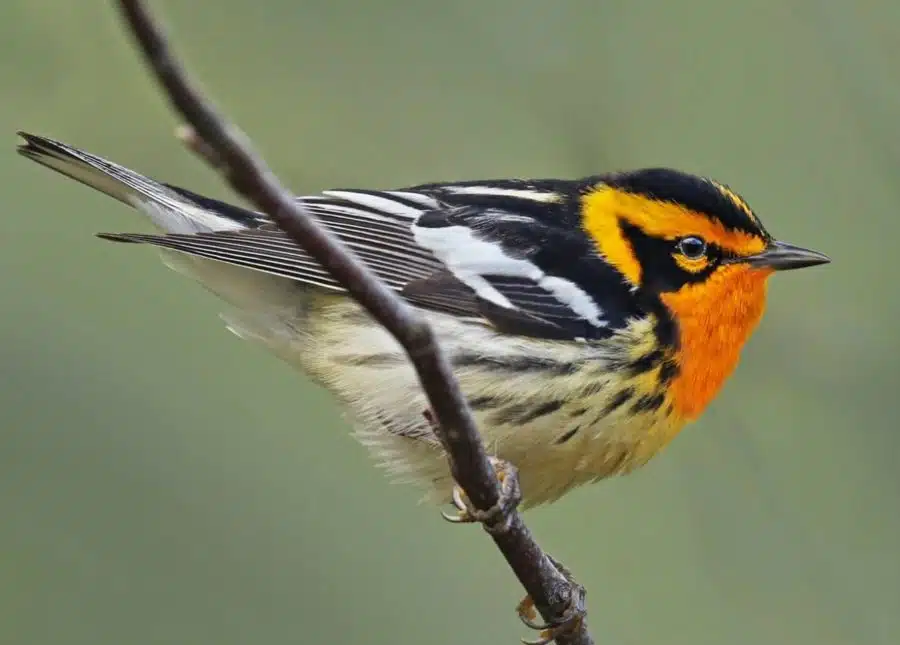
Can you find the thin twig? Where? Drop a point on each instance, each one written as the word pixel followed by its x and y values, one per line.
pixel 228 150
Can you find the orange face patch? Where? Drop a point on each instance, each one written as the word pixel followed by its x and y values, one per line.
pixel 715 319
pixel 606 207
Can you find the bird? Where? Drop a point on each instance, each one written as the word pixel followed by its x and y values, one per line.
pixel 587 320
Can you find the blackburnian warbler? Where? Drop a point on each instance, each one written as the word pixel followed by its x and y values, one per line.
pixel 587 320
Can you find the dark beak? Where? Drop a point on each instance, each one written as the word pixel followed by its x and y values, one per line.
pixel 782 256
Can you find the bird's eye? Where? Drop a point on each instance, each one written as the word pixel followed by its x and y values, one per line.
pixel 693 248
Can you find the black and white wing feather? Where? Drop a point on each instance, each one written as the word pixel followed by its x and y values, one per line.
pixel 507 266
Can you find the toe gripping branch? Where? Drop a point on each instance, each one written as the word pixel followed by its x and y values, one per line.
pixel 567 622
pixel 497 520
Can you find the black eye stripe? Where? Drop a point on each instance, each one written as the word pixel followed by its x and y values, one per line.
pixel 657 257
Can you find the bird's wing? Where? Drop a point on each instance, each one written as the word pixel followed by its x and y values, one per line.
pixel 513 270
pixel 509 252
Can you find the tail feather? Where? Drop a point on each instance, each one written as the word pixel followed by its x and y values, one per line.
pixel 173 209
pixel 259 297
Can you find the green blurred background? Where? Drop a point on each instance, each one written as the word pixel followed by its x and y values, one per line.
pixel 163 483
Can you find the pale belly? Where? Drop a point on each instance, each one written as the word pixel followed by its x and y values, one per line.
pixel 556 414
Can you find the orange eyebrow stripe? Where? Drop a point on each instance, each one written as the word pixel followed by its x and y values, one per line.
pixel 606 206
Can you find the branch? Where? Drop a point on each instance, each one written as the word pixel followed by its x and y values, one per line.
pixel 228 150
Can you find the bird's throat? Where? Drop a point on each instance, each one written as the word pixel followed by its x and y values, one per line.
pixel 714 319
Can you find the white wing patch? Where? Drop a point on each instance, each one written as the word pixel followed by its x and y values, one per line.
pixel 470 259
pixel 546 197
pixel 425 201
pixel 574 296
pixel 382 202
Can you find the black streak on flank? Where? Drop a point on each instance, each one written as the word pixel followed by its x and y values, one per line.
pixel 618 401
pixel 667 372
pixel 646 362
pixel 371 360
pixel 482 402
pixel 508 415
pixel 515 364
pixel 594 388
pixel 577 413
pixel 540 411
pixel 566 436
pixel 648 403
pixel 518 414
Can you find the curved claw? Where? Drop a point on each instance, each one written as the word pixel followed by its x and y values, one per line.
pixel 569 620
pixel 549 632
pixel 533 624
pixel 459 501
pixel 457 518
pixel 543 639
pixel 464 514
pixel 497 518
pixel 528 615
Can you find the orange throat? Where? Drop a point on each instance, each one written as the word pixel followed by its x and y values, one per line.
pixel 715 319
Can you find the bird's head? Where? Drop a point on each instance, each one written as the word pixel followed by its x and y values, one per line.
pixel 666 231
pixel 695 247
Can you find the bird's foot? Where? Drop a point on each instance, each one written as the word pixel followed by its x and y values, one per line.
pixel 495 519
pixel 568 621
